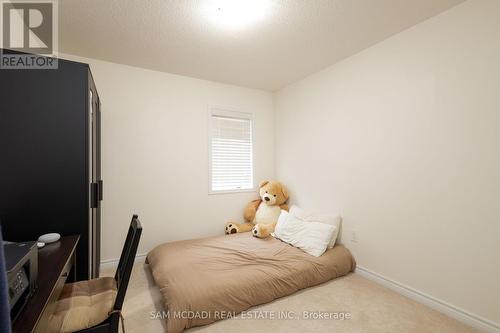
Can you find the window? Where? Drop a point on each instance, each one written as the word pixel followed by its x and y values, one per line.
pixel 231 151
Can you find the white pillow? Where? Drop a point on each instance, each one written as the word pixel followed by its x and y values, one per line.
pixel 330 219
pixel 311 237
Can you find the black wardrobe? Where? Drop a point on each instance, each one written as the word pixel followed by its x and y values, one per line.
pixel 50 158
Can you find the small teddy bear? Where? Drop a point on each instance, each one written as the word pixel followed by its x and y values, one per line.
pixel 261 215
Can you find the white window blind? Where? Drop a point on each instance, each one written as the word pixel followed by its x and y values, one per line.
pixel 231 155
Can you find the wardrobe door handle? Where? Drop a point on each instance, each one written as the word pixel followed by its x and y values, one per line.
pixel 100 190
pixel 94 195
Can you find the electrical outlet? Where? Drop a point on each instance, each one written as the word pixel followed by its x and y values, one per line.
pixel 354 236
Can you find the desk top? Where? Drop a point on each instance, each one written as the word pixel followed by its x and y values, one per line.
pixel 51 261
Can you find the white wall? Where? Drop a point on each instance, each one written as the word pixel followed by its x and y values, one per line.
pixel 155 153
pixel 404 140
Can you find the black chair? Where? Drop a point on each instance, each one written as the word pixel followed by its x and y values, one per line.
pixel 107 287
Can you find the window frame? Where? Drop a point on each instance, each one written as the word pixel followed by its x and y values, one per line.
pixel 230 113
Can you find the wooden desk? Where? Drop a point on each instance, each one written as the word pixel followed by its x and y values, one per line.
pixel 54 264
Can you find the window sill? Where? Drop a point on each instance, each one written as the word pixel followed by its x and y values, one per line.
pixel 232 191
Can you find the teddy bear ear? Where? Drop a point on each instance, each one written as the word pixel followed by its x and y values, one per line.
pixel 262 183
pixel 284 191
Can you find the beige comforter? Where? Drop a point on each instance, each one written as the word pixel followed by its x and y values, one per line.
pixel 204 280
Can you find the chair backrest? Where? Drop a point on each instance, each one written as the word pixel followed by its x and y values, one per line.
pixel 127 259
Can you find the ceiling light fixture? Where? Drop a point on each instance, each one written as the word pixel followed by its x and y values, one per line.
pixel 235 14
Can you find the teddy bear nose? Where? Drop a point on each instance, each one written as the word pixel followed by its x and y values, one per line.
pixel 267 198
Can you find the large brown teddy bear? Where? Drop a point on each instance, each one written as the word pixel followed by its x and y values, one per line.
pixel 261 215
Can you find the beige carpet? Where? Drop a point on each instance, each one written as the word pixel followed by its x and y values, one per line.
pixel 372 308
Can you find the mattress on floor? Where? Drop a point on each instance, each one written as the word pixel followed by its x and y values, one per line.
pixel 205 280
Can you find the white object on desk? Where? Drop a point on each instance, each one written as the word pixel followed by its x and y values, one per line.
pixel 40 244
pixel 49 238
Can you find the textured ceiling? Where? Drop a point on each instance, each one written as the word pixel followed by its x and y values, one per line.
pixel 295 39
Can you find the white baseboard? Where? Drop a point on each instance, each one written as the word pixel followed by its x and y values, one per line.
pixel 464 316
pixel 113 263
